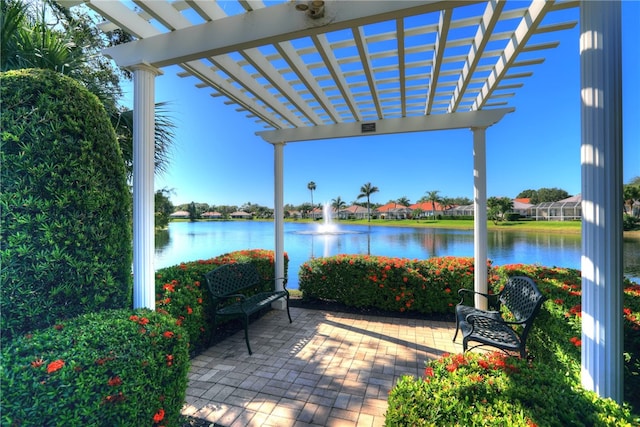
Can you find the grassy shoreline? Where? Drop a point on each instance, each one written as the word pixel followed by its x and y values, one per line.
pixel 561 227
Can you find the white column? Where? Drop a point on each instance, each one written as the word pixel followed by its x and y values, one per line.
pixel 143 197
pixel 480 215
pixel 278 213
pixel 601 159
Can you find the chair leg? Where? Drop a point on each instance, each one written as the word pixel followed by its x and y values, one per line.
pixel 246 334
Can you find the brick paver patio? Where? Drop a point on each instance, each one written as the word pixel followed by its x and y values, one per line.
pixel 324 369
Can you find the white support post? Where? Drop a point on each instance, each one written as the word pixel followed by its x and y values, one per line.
pixel 143 197
pixel 278 213
pixel 601 160
pixel 480 215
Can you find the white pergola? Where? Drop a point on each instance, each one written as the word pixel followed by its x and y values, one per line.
pixel 311 70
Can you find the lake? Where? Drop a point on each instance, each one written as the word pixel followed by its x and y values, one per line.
pixel 190 241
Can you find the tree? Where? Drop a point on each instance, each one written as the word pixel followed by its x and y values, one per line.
pixel 311 186
pixel 528 194
pixel 338 204
pixel 551 195
pixel 498 207
pixel 433 197
pixel 366 191
pixel 193 212
pixel 404 201
pixel 163 208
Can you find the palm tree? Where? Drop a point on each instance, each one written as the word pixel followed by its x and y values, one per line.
pixel 311 186
pixel 366 191
pixel 338 204
pixel 433 197
pixel 404 201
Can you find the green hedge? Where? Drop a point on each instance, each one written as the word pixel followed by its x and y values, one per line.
pixel 65 205
pixel 492 389
pixel 181 290
pixel 392 284
pixel 114 368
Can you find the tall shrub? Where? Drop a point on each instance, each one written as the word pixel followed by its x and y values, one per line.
pixel 65 205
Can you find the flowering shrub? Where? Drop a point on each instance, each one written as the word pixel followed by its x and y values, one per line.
pixel 181 290
pixel 491 389
pixel 393 284
pixel 116 367
pixel 556 336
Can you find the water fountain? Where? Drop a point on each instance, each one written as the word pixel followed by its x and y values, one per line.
pixel 327 226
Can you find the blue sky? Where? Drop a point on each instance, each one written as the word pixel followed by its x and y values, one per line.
pixel 218 159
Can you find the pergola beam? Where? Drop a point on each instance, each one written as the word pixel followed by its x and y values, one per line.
pixel 470 119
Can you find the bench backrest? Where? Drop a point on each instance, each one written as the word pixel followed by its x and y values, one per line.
pixel 230 278
pixel 522 297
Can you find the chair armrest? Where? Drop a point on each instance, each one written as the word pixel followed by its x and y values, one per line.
pixel 492 298
pixel 226 297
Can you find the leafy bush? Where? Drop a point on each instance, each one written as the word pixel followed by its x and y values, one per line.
pixel 117 367
pixel 65 205
pixel 181 291
pixel 556 336
pixel 492 389
pixel 392 284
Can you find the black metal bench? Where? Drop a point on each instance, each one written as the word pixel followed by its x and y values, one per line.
pixel 523 300
pixel 226 285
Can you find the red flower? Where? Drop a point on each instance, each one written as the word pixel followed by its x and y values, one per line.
pixel 37 363
pixel 54 366
pixel 428 372
pixel 169 358
pixel 447 290
pixel 452 367
pixel 168 334
pixel 158 416
pixel 114 381
pixel 189 310
pixel 576 341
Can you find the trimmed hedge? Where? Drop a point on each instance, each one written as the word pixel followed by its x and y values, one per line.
pixel 392 284
pixel 181 290
pixel 114 368
pixel 65 204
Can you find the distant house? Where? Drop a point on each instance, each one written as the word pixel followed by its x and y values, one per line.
pixel 428 208
pixel 466 210
pixel 393 210
pixel 179 214
pixel 568 209
pixel 355 212
pixel 521 207
pixel 241 215
pixel 211 215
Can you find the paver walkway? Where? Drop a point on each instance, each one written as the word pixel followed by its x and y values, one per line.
pixel 324 369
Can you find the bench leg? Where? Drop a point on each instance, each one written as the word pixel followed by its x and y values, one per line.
pixel 288 314
pixel 457 329
pixel 246 333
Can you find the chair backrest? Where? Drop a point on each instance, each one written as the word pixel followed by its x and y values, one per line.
pixel 522 297
pixel 231 278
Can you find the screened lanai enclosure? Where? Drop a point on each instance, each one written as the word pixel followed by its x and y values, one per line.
pixel 569 209
pixel 314 70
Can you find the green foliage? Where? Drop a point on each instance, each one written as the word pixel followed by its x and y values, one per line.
pixel 117 367
pixel 163 208
pixel 492 389
pixel 181 290
pixel 66 207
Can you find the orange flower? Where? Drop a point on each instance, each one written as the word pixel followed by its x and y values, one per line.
pixel 54 366
pixel 168 334
pixel 169 359
pixel 158 416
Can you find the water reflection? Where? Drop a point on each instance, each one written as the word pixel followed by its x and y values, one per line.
pixel 185 241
